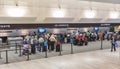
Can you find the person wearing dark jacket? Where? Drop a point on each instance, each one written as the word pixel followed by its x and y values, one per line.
pixel 32 43
pixel 113 43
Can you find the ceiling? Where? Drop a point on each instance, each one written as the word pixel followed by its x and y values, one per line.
pixel 105 1
pixel 54 3
pixel 41 10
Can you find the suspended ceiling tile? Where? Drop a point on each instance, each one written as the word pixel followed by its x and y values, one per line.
pixel 87 20
pixel 58 20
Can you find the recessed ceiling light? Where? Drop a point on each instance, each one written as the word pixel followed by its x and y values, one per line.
pixel 58 13
pixel 114 14
pixel 89 13
pixel 15 11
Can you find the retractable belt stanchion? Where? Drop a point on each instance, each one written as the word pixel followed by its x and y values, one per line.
pixel 101 44
pixel 0 55
pixel 46 56
pixel 6 56
pixel 61 46
pixel 119 51
pixel 60 54
pixel 71 42
pixel 16 47
pixel 20 54
pixel 2 45
pixel 28 56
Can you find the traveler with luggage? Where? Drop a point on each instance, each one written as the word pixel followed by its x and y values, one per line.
pixel 113 43
pixel 25 47
pixel 41 42
pixel 52 42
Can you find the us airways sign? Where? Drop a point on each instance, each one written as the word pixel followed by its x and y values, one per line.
pixel 5 26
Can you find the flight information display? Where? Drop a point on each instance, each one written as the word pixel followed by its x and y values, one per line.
pixel 42 30
pixel 96 28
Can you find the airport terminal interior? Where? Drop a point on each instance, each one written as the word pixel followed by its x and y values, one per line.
pixel 59 34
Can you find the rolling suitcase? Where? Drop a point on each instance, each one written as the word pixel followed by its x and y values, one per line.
pixel 80 43
pixel 86 43
pixel 75 42
pixel 25 51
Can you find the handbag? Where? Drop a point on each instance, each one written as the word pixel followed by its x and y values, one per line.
pixel 115 44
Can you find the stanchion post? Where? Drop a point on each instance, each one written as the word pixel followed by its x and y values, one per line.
pixel 71 41
pixel 61 46
pixel 46 56
pixel 119 51
pixel 2 45
pixel 20 54
pixel 28 56
pixel 60 53
pixel 71 48
pixel 7 42
pixel 0 55
pixel 101 44
pixel 6 57
pixel 16 47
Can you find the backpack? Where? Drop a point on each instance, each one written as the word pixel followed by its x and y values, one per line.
pixel 41 40
pixel 115 44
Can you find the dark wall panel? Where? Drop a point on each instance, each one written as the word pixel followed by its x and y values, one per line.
pixel 53 25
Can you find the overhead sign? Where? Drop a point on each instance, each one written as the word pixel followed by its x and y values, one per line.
pixel 61 25
pixel 54 25
pixel 105 24
pixel 4 26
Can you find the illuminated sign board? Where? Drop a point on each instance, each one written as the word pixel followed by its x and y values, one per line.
pixel 61 25
pixel 105 24
pixel 4 26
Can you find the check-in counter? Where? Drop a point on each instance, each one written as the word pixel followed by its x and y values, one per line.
pixel 12 40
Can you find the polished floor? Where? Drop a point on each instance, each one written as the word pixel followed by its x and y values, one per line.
pixel 66 50
pixel 100 59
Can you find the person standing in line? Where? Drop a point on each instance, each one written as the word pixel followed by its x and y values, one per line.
pixel 32 43
pixel 65 38
pixel 40 46
pixel 25 47
pixel 113 43
pixel 100 35
pixel 52 42
pixel 45 45
pixel 49 44
pixel 58 43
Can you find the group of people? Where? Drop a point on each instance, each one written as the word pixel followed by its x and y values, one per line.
pixel 51 42
pixel 81 38
pixel 41 42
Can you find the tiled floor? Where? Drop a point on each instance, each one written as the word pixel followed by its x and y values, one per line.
pixel 101 59
pixel 66 49
pixel 88 60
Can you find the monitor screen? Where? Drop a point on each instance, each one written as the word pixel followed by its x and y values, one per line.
pixel 42 30
pixel 96 28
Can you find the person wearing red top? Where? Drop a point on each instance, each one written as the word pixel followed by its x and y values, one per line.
pixel 79 37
